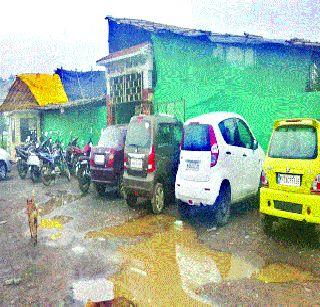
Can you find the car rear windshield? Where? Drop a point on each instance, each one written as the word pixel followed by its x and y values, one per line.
pixel 196 138
pixel 294 142
pixel 111 137
pixel 139 134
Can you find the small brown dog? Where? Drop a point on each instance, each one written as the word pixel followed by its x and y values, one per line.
pixel 33 213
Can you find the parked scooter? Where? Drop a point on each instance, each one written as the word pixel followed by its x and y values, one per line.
pixel 34 161
pixel 22 153
pixel 83 168
pixel 54 164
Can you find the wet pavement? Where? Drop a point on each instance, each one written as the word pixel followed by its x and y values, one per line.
pixel 98 249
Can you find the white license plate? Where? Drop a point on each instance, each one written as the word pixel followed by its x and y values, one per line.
pixel 290 180
pixel 84 162
pixel 99 159
pixel 136 163
pixel 193 165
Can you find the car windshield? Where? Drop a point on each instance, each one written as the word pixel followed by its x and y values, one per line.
pixel 196 138
pixel 139 134
pixel 111 137
pixel 294 142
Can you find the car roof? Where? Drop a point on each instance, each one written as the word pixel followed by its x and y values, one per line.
pixel 159 118
pixel 213 117
pixel 296 121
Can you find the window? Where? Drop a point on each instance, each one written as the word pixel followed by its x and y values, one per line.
pixel 245 136
pixel 196 138
pixel 294 142
pixel 139 134
pixel 165 135
pixel 228 128
pixel 126 88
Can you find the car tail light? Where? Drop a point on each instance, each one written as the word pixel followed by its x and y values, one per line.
pixel 110 162
pixel 152 160
pixel 91 161
pixel 263 179
pixel 315 187
pixel 214 147
pixel 125 161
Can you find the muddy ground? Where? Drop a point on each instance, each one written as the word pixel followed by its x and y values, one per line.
pixel 98 248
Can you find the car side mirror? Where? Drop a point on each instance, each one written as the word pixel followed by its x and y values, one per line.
pixel 255 145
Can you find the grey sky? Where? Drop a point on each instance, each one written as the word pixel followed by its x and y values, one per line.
pixel 38 36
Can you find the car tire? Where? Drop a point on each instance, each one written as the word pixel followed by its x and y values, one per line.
pixel 223 206
pixel 267 223
pixel 3 171
pixel 131 199
pixel 157 200
pixel 101 189
pixel 183 209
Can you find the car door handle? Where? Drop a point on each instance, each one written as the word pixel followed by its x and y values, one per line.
pixel 244 155
pixel 228 153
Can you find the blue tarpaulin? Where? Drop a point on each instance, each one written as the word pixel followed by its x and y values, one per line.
pixel 83 85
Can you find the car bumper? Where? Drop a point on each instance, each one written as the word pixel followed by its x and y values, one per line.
pixel 139 185
pixel 197 193
pixel 104 175
pixel 268 197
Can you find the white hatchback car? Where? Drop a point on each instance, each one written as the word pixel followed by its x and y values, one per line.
pixel 220 164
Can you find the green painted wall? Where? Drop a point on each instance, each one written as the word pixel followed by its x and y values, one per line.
pixel 78 120
pixel 267 84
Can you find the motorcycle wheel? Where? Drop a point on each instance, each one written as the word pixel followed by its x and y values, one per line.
pixel 84 181
pixel 47 177
pixel 22 169
pixel 35 174
pixel 67 173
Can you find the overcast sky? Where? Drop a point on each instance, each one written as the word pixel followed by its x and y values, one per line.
pixel 39 36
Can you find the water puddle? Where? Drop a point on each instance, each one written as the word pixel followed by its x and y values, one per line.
pixel 146 226
pixel 63 219
pixel 282 273
pixel 170 264
pixel 57 201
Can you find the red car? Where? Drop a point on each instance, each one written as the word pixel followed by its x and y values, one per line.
pixel 106 160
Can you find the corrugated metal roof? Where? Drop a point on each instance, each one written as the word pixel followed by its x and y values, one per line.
pixel 214 37
pixel 127 51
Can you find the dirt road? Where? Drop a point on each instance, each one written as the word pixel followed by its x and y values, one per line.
pixel 98 248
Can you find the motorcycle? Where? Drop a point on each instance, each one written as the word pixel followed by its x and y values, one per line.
pixel 72 154
pixel 54 164
pixel 34 161
pixel 83 168
pixel 22 153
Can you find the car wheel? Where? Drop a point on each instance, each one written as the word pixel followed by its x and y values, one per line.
pixel 267 223
pixel 3 171
pixel 223 206
pixel 101 189
pixel 183 209
pixel 131 199
pixel 157 201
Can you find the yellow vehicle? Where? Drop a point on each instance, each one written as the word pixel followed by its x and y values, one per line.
pixel 290 179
